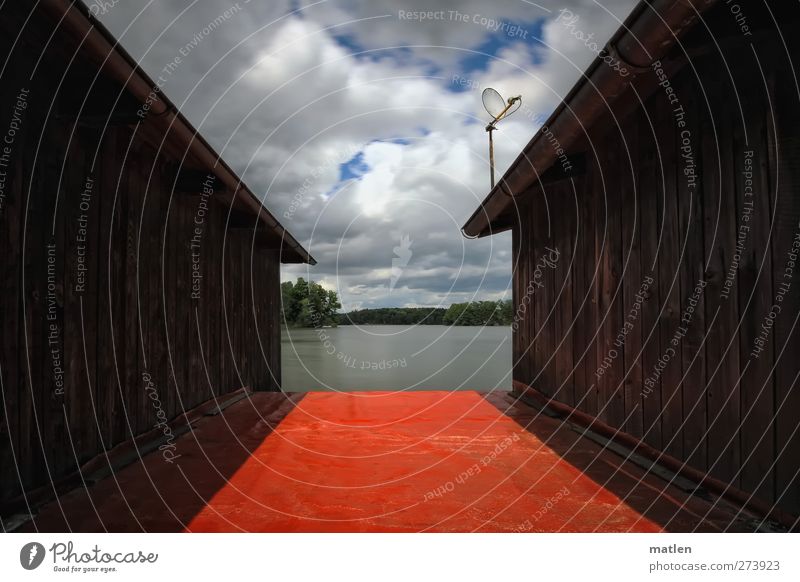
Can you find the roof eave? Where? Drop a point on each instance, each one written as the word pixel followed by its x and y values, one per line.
pixel 117 63
pixel 646 35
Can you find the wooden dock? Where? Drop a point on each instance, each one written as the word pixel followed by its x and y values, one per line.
pixel 387 462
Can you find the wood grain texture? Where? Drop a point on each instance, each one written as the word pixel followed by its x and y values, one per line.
pixel 126 333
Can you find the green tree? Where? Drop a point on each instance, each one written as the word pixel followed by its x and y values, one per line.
pixel 479 313
pixel 309 304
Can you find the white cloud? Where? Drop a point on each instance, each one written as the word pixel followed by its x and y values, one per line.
pixel 285 100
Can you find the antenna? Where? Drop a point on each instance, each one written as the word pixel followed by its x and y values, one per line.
pixel 498 108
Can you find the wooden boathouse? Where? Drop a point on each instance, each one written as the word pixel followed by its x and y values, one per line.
pixel 140 353
pixel 141 275
pixel 669 195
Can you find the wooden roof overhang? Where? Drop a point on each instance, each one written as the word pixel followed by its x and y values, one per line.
pixel 135 98
pixel 646 36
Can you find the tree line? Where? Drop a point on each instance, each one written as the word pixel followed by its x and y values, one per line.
pixel 479 313
pixel 469 313
pixel 308 304
pixel 394 316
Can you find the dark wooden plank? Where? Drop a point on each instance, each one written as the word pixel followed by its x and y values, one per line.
pixel 651 306
pixel 784 152
pixel 172 259
pixel 137 400
pixel 610 403
pixel 262 296
pixel 81 216
pixel 756 296
pixel 215 354
pixel 195 375
pixel 523 302
pixel 243 353
pixel 184 344
pixel 669 280
pixel 692 276
pixel 245 328
pixel 12 433
pixel 154 363
pixel 594 228
pixel 273 278
pixel 122 416
pixel 633 284
pixel 36 358
pixel 722 314
pixel 542 348
pixel 200 302
pixel 105 385
pixel 583 377
pixel 222 322
pixel 255 317
pixel 564 218
pixel 231 295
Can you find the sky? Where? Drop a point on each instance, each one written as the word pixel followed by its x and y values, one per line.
pixel 360 124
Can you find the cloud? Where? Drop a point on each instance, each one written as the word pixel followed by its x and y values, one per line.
pixel 360 125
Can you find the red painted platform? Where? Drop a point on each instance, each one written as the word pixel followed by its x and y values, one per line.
pixel 384 462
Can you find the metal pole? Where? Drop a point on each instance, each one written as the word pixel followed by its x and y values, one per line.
pixel 490 129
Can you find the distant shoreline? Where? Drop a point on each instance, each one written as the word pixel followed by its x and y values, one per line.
pixel 472 313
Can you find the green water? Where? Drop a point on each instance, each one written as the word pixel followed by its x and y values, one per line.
pixel 396 357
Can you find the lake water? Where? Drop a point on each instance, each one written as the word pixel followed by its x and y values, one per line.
pixel 396 357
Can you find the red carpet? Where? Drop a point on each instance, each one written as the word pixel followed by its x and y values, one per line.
pixel 376 462
pixel 408 462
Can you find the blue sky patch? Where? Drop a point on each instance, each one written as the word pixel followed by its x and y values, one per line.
pixel 510 33
pixel 354 168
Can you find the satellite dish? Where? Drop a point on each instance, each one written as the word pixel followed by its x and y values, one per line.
pixel 493 102
pixel 498 108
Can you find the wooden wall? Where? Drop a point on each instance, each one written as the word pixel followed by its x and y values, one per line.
pixel 693 387
pixel 90 358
